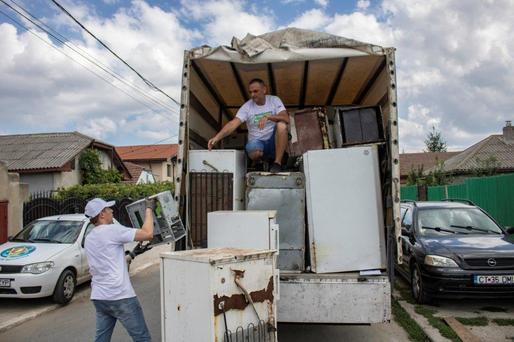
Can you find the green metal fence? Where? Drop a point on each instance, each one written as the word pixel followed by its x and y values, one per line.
pixel 494 194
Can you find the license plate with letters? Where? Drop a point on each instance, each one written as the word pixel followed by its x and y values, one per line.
pixel 5 282
pixel 505 279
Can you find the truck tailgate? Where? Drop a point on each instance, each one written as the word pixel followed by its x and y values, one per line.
pixel 337 298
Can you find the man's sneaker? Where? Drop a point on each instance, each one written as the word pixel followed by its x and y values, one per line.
pixel 275 168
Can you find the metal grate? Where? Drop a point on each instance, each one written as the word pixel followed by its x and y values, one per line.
pixel 262 332
pixel 485 263
pixel 209 191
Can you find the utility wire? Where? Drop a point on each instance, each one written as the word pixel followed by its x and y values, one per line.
pixel 81 64
pixel 63 40
pixel 150 84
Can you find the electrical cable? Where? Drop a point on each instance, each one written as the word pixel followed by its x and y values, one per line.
pixel 150 84
pixel 91 59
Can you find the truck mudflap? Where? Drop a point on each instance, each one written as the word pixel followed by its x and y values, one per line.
pixel 337 298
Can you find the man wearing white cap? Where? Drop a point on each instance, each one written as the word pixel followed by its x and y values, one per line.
pixel 111 290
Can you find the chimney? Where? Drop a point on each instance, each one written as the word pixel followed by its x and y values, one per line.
pixel 508 132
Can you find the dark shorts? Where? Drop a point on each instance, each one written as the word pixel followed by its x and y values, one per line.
pixel 266 146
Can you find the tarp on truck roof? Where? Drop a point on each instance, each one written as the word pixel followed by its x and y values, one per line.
pixel 290 44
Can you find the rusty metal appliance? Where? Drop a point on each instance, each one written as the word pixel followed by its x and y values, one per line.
pixel 308 130
pixel 219 294
pixel 357 125
pixel 285 193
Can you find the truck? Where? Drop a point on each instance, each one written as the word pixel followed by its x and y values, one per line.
pixel 305 69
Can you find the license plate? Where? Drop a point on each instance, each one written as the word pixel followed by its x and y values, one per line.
pixel 5 282
pixel 506 279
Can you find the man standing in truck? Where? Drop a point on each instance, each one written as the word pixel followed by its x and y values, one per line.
pixel 267 119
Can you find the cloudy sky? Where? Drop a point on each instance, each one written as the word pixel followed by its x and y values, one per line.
pixel 455 61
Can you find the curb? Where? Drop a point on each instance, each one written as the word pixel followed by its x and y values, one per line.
pixel 11 323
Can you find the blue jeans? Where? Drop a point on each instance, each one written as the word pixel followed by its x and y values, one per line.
pixel 266 146
pixel 128 311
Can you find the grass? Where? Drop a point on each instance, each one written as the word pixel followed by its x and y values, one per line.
pixel 493 309
pixel 437 322
pixel 504 321
pixel 412 328
pixel 474 321
pixel 405 293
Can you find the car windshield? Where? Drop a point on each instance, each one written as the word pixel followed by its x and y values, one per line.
pixel 447 221
pixel 47 231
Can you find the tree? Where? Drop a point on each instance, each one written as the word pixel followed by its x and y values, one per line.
pixel 435 142
pixel 436 176
pixel 92 172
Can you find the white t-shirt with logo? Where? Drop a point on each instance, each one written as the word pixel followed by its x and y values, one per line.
pixel 107 265
pixel 251 113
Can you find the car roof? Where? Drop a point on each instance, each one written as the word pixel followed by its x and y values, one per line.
pixel 438 204
pixel 65 217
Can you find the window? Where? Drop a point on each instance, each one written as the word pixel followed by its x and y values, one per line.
pixel 168 170
pixel 88 230
pixel 407 218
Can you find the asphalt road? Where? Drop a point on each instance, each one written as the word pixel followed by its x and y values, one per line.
pixel 76 322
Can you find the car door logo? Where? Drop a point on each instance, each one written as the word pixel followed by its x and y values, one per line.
pixel 17 252
pixel 491 262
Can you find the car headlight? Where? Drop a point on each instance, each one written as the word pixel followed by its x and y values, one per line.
pixel 38 268
pixel 439 261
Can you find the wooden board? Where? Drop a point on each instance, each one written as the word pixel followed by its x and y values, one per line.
pixel 288 77
pixel 321 76
pixel 357 72
pixel 464 333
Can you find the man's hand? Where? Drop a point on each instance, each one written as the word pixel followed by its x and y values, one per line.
pixel 211 143
pixel 150 203
pixel 262 122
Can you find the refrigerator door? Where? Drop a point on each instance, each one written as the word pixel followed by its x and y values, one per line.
pixel 344 209
pixel 242 229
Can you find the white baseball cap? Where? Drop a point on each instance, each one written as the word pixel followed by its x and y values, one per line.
pixel 95 206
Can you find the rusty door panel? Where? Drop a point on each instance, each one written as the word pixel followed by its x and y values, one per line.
pixel 308 131
pixel 209 191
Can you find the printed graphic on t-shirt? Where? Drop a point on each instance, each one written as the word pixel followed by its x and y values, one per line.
pixel 259 116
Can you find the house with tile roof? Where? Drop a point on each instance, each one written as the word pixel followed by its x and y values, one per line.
pixel 139 174
pixel 49 161
pixel 499 147
pixel 160 159
pixel 424 160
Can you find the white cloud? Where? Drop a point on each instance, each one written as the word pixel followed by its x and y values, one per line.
pixel 224 19
pixel 362 27
pixel 363 4
pixel 322 3
pixel 99 128
pixel 311 20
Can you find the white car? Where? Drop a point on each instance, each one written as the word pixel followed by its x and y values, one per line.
pixel 47 258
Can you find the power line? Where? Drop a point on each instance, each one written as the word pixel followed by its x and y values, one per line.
pixel 76 61
pixel 63 40
pixel 150 84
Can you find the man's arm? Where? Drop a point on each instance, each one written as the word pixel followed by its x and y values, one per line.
pixel 230 127
pixel 281 116
pixel 146 231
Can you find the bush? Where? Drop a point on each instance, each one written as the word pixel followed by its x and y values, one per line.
pixel 113 191
pixel 92 172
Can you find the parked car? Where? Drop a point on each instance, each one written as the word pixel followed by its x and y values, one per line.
pixel 46 258
pixel 455 249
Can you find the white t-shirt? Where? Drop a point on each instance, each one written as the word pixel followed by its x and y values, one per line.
pixel 251 113
pixel 107 265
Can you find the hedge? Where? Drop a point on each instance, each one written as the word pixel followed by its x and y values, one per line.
pixel 113 191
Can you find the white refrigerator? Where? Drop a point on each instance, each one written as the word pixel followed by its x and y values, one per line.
pixel 344 209
pixel 243 229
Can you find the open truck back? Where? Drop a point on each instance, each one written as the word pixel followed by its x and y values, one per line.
pixel 304 69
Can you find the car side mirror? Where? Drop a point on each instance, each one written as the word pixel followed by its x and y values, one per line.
pixel 509 230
